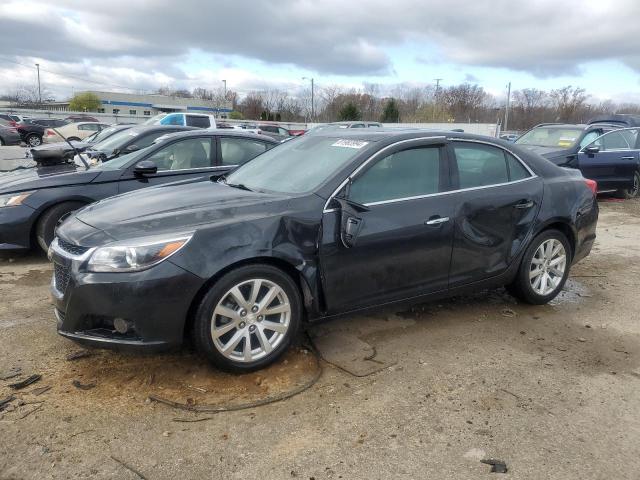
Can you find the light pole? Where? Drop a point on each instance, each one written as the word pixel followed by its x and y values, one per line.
pixel 39 94
pixel 312 110
pixel 506 110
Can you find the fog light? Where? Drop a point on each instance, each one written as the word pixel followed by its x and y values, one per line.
pixel 121 325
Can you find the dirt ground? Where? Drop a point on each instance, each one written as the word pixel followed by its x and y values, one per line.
pixel 554 391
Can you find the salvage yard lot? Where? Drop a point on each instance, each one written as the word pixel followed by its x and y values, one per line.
pixel 551 390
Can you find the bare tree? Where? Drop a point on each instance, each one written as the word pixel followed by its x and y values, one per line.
pixel 569 103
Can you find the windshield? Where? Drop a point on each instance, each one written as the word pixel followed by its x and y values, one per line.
pixel 298 166
pixel 551 137
pixel 101 135
pixel 115 141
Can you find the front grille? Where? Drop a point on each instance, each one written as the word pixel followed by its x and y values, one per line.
pixel 61 277
pixel 71 248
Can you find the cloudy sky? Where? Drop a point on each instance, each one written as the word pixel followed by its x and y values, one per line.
pixel 140 45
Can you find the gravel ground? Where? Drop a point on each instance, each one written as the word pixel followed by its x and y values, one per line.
pixel 551 390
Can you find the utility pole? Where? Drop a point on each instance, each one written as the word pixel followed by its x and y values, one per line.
pixel 225 89
pixel 506 110
pixel 39 94
pixel 437 97
pixel 312 94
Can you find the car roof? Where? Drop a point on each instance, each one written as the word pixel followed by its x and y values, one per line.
pixel 220 132
pixel 168 128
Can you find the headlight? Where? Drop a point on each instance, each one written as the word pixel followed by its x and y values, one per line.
pixel 13 199
pixel 132 256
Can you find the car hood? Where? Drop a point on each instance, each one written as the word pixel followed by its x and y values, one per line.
pixel 173 208
pixel 34 178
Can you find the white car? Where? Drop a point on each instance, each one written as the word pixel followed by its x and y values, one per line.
pixel 72 132
pixel 200 120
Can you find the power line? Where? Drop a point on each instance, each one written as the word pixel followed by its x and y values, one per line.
pixel 68 75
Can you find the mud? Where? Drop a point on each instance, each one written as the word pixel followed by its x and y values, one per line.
pixel 552 390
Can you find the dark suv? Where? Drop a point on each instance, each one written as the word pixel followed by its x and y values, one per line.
pixel 561 142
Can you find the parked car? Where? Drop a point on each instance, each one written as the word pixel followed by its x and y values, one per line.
pixel 30 133
pixel 613 160
pixel 128 141
pixel 509 137
pixel 73 131
pixel 48 122
pixel 341 125
pixel 12 118
pixel 8 134
pixel 561 142
pixel 80 117
pixel 321 226
pixel 61 152
pixel 199 120
pixel 275 131
pixel 32 201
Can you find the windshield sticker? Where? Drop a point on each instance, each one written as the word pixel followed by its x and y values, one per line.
pixel 566 142
pixel 350 143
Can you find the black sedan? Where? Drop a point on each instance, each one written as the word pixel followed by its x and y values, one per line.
pixel 61 152
pixel 320 226
pixel 33 200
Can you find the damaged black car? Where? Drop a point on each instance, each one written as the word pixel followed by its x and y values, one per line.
pixel 318 227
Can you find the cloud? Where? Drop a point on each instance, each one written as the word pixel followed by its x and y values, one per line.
pixel 144 41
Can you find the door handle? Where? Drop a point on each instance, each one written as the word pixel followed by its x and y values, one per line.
pixel 628 158
pixel 437 221
pixel 524 205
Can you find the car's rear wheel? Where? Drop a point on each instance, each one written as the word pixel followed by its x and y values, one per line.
pixel 33 140
pixel 248 318
pixel 49 220
pixel 544 268
pixel 632 192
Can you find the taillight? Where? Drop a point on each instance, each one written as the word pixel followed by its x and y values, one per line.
pixel 50 133
pixel 592 184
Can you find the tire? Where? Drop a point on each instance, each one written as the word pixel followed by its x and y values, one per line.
pixel 524 286
pixel 1 142
pixel 632 192
pixel 33 140
pixel 48 221
pixel 244 322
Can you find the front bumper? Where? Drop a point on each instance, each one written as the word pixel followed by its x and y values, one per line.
pixel 15 227
pixel 153 303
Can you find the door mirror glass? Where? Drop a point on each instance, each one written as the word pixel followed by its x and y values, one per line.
pixel 145 167
pixel 591 149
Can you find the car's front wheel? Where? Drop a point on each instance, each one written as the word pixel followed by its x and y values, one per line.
pixel 632 192
pixel 544 268
pixel 248 318
pixel 49 220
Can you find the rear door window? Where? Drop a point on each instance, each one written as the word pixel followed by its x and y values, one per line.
pixel 483 165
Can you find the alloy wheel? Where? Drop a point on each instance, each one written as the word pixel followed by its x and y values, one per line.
pixel 251 320
pixel 547 267
pixel 636 185
pixel 34 141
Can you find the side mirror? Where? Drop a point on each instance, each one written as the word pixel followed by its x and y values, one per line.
pixel 145 167
pixel 591 149
pixel 350 220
